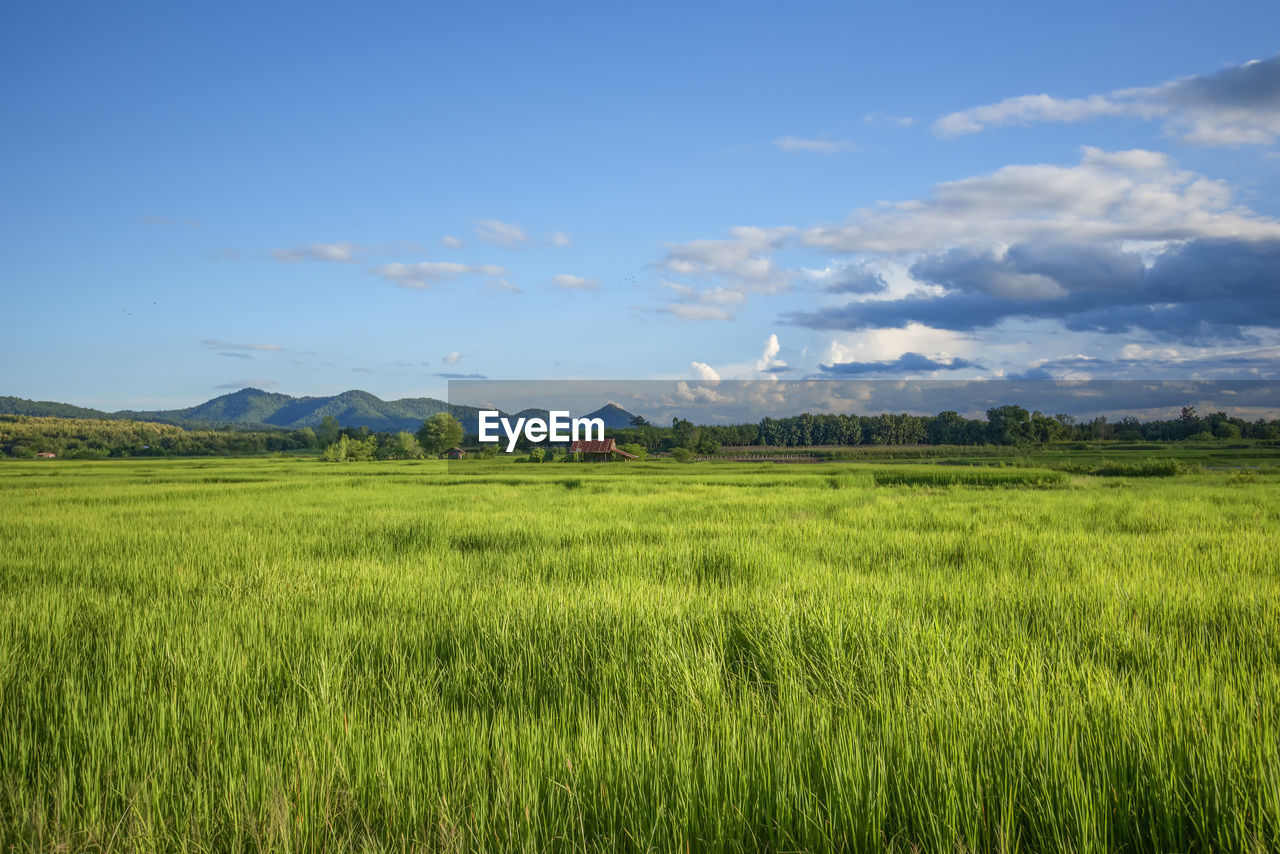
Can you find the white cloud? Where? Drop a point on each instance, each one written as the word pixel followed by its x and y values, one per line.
pixel 499 233
pixel 424 274
pixel 742 258
pixel 1026 109
pixel 341 253
pixel 705 304
pixel 574 283
pixel 559 238
pixel 817 146
pixel 451 242
pixel 695 312
pixel 719 295
pixel 771 348
pixel 1239 105
pixel 878 345
pixel 704 371
pixel 1109 196
pixel 684 393
pixel 769 358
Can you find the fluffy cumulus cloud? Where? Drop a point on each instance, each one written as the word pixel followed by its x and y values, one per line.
pixel 424 274
pixel 769 362
pixel 724 272
pixel 742 258
pixel 1025 240
pixel 703 371
pixel 1239 105
pixel 848 279
pixel 1197 290
pixel 1108 196
pixel 498 233
pixel 771 349
pixel 1122 241
pixel 692 303
pixel 341 253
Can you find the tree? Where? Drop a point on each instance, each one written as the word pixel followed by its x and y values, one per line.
pixel 1226 430
pixel 946 428
pixel 706 443
pixel 306 437
pixel 337 452
pixel 684 433
pixel 439 433
pixel 1007 425
pixel 634 448
pixel 327 433
pixel 361 450
pixel 404 446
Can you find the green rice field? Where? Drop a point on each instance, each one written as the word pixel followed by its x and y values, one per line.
pixel 280 654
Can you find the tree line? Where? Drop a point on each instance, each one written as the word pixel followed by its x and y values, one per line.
pixel 1004 425
pixel 96 438
pixel 84 438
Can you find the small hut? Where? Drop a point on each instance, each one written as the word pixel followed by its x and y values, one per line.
pixel 600 451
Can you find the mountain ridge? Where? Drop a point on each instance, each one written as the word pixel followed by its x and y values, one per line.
pixel 255 408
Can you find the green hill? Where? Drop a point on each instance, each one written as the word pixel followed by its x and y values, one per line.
pixel 252 408
pixel 46 408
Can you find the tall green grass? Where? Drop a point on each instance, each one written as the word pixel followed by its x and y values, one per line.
pixel 284 655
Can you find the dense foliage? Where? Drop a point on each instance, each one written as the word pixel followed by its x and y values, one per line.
pixel 1004 425
pixel 79 438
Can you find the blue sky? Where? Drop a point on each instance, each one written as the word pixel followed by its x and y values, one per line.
pixel 315 197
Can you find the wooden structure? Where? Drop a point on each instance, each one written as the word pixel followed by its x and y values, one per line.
pixel 602 451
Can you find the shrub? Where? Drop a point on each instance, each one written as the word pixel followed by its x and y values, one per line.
pixel 634 448
pixel 1142 468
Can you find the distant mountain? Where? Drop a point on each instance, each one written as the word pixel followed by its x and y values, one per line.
pixel 255 408
pixel 248 407
pixel 47 408
pixel 614 416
